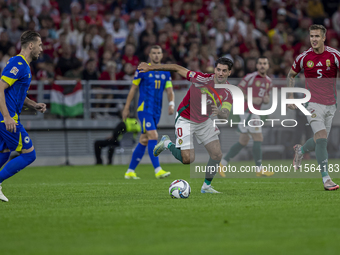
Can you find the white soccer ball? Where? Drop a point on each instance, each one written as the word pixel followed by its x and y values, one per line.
pixel 179 189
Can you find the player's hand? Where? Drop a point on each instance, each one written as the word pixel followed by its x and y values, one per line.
pixel 291 106
pixel 144 67
pixel 40 107
pixel 266 99
pixel 171 109
pixel 215 110
pixel 11 125
pixel 257 100
pixel 125 114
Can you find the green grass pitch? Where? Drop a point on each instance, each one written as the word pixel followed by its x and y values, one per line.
pixel 93 210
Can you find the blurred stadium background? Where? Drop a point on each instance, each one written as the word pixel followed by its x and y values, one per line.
pixel 100 43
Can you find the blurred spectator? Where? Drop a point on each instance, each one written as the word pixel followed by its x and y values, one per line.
pixel 118 34
pixel 129 56
pixel 334 43
pixel 127 73
pixel 110 72
pixel 38 4
pixel 90 72
pixel 75 14
pixel 316 11
pixel 47 73
pixel 66 62
pixel 93 18
pixel 10 53
pixel 117 15
pixel 47 43
pixel 139 21
pixel 132 5
pixel 5 17
pixel 14 33
pixel 303 30
pixel 236 24
pixel 220 33
pixel 108 21
pixel 5 44
pixel 97 40
pixel 84 47
pixel 336 21
pixel 31 16
pixel 161 18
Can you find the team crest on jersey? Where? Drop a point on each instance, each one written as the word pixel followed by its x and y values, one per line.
pixel 257 83
pixel 29 75
pixel 180 141
pixel 313 115
pixel 294 65
pixel 19 63
pixel 163 76
pixel 328 63
pixel 157 76
pixel 27 139
pixel 310 64
pixel 148 124
pixel 14 70
pixel 192 74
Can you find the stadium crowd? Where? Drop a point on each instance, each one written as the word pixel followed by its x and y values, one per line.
pixel 106 39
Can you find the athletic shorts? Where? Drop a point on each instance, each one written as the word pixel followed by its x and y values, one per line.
pixel 254 121
pixel 14 141
pixel 204 132
pixel 147 121
pixel 321 116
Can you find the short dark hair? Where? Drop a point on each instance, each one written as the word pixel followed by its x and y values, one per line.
pixel 318 27
pixel 28 36
pixel 261 57
pixel 156 47
pixel 225 61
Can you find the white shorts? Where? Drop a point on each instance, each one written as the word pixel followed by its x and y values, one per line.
pixel 205 133
pixel 255 123
pixel 322 116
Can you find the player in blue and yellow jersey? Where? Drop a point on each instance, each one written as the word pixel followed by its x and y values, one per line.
pixel 14 84
pixel 151 86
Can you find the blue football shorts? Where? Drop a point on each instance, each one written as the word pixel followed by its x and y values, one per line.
pixel 14 141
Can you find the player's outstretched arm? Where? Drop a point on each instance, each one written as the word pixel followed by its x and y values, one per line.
pixel 41 107
pixel 9 122
pixel 145 67
pixel 126 110
pixel 291 83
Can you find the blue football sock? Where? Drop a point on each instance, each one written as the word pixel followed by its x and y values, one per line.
pixel 154 160
pixel 16 164
pixel 137 156
pixel 4 157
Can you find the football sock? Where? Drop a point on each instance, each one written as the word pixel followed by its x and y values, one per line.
pixel 234 150
pixel 209 175
pixel 257 154
pixel 322 155
pixel 17 164
pixel 4 157
pixel 175 151
pixel 308 146
pixel 154 160
pixel 137 156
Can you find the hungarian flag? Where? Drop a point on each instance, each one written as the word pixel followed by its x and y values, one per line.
pixel 68 105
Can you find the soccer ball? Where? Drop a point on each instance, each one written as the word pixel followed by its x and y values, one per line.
pixel 179 189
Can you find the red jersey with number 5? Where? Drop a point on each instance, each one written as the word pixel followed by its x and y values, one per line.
pixel 190 107
pixel 320 71
pixel 261 87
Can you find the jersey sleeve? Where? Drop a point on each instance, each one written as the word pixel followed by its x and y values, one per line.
pixel 168 82
pixel 13 71
pixel 137 78
pixel 337 59
pixel 199 78
pixel 298 64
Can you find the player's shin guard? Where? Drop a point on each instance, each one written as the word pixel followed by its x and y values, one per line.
pixel 322 155
pixel 211 170
pixel 17 164
pixel 4 157
pixel 137 156
pixel 154 160
pixel 308 146
pixel 234 150
pixel 176 152
pixel 257 153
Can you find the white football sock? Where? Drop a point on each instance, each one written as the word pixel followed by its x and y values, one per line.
pixel 224 162
pixel 157 169
pixel 166 143
pixel 204 186
pixel 325 178
pixel 129 170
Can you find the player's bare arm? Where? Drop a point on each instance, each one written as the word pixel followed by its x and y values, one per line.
pixel 291 83
pixel 145 67
pixel 126 110
pixel 171 99
pixel 9 122
pixel 41 107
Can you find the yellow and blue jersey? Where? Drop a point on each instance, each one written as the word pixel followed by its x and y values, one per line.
pixel 17 74
pixel 151 87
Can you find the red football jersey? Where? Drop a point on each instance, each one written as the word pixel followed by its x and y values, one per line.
pixel 261 87
pixel 320 72
pixel 190 107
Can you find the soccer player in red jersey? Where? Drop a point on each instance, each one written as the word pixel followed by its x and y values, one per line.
pixel 190 120
pixel 261 85
pixel 320 64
